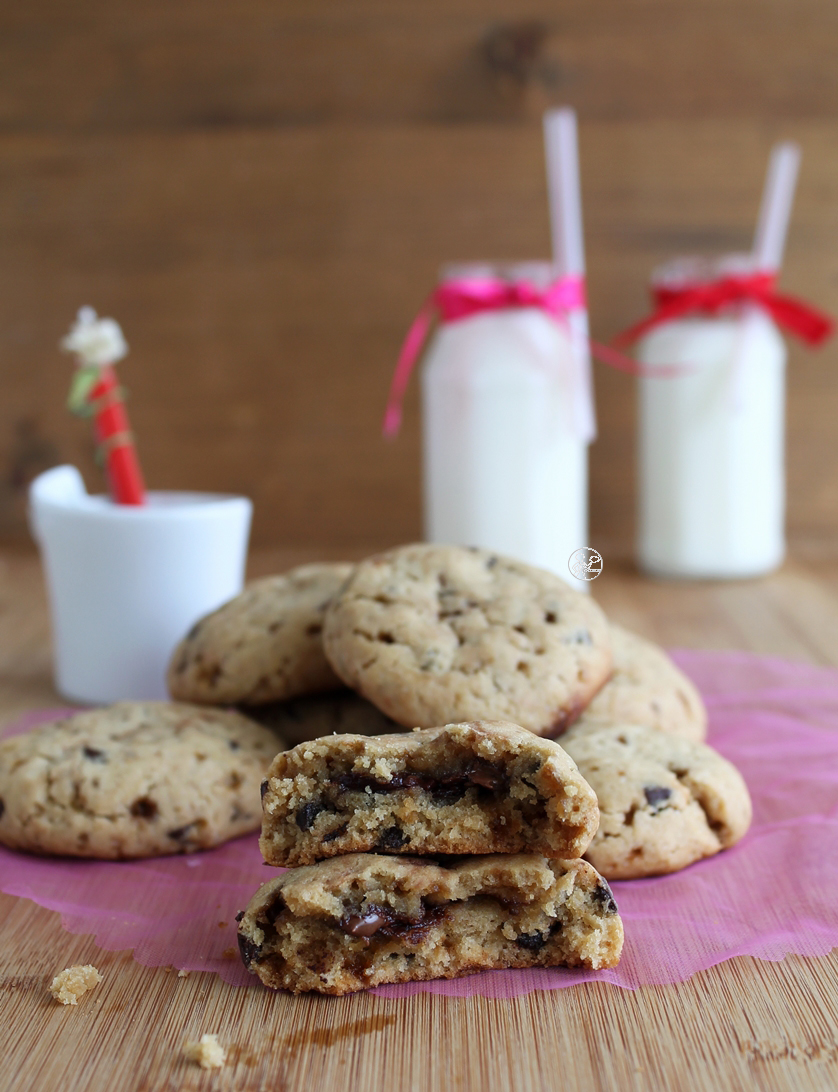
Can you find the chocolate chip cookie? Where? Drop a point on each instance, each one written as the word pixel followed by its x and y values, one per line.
pixel 466 788
pixel 432 634
pixel 647 688
pixel 263 646
pixel 365 920
pixel 664 802
pixel 137 779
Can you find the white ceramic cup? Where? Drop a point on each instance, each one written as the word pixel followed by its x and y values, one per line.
pixel 125 583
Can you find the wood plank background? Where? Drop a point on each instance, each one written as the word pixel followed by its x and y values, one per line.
pixel 262 193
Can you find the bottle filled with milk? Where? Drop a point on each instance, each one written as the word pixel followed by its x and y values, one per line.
pixel 711 463
pixel 504 444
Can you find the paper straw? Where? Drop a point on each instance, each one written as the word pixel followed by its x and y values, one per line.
pixel 562 155
pixel 561 150
pixel 769 243
pixel 775 210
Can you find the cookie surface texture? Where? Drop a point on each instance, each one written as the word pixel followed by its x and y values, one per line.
pixel 365 920
pixel 648 688
pixel 436 634
pixel 664 802
pixel 481 787
pixel 136 779
pixel 263 646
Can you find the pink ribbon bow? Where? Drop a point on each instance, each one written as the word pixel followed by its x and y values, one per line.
pixel 459 299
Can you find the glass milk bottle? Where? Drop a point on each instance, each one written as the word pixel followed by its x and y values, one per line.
pixel 505 467
pixel 711 437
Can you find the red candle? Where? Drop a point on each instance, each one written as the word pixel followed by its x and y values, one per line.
pixel 98 344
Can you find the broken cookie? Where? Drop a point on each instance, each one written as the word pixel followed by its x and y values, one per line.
pixel 365 920
pixel 483 787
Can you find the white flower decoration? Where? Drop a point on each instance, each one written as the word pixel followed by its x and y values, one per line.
pixel 96 342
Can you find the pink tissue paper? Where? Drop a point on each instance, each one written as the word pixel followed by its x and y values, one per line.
pixel 771 895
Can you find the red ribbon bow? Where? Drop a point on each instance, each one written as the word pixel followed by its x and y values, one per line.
pixel 793 315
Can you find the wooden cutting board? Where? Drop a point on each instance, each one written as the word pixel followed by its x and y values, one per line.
pixel 745 1024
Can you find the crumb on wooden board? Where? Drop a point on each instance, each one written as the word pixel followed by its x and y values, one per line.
pixel 73 982
pixel 207 1052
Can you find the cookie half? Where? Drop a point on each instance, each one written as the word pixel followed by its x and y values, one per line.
pixel 466 788
pixel 365 920
pixel 137 779
pixel 664 802
pixel 432 634
pixel 263 646
pixel 647 688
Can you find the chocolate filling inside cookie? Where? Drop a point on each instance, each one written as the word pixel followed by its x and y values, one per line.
pixel 346 796
pixel 491 788
pixel 449 787
pixel 377 942
pixel 383 922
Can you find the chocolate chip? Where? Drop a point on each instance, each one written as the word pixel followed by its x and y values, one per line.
pixel 390 925
pixel 551 617
pixel 240 915
pixel 263 788
pixel 275 909
pixel 364 925
pixel 533 942
pixel 604 896
pixel 491 562
pixel 210 674
pixel 250 952
pixel 449 794
pixel 181 834
pixel 392 838
pixel 233 744
pixel 307 814
pixel 314 629
pixel 94 754
pixel 144 808
pixel 657 795
pixel 483 773
pixel 336 833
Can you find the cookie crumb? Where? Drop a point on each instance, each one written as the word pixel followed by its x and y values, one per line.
pixel 208 1053
pixel 182 973
pixel 73 982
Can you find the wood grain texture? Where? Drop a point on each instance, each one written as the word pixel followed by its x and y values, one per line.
pixel 265 280
pixel 744 1025
pixel 263 194
pixel 93 65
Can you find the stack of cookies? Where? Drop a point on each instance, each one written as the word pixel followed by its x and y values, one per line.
pixel 431 854
pixel 413 854
pixel 426 635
